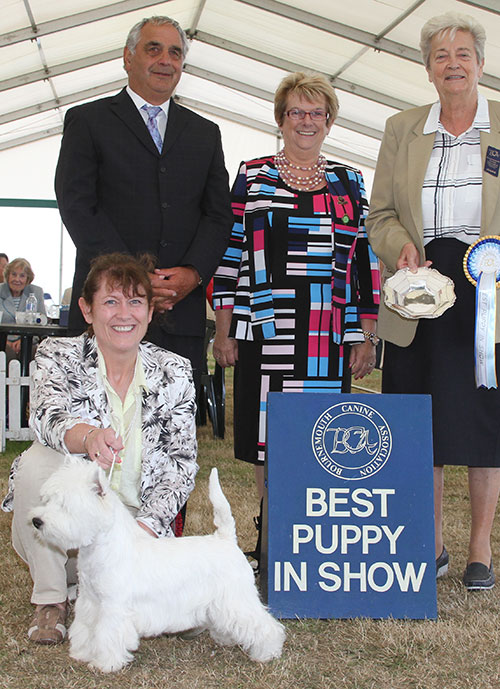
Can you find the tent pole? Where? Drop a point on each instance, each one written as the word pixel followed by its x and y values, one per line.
pixel 60 261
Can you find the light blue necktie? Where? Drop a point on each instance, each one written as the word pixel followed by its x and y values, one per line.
pixel 152 112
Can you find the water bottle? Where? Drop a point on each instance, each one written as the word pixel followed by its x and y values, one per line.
pixel 31 307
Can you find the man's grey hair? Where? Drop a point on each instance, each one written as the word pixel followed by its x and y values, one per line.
pixel 452 22
pixel 134 34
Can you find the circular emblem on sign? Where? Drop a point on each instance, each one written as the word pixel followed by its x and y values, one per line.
pixel 351 440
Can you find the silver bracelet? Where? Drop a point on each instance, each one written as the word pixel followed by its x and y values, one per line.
pixel 86 436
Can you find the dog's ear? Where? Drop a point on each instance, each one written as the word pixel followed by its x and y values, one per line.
pixel 74 460
pixel 100 483
pixel 99 488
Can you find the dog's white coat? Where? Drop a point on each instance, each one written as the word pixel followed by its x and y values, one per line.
pixel 133 585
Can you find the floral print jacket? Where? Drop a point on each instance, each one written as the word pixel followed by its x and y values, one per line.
pixel 68 391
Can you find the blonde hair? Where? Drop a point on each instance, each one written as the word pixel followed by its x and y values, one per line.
pixel 308 86
pixel 452 22
pixel 22 264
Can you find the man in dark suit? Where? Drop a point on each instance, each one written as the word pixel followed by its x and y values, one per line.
pixel 136 181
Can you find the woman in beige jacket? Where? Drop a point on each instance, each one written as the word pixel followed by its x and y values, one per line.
pixel 435 194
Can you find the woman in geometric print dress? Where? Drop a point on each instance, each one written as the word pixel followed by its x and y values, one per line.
pixel 297 291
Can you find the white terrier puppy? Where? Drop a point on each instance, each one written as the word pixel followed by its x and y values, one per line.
pixel 133 585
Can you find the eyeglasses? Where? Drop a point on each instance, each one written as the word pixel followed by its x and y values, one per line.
pixel 297 114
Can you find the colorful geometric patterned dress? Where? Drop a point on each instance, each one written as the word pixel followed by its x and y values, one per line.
pixel 299 275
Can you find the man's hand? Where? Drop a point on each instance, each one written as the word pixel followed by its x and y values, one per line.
pixel 170 285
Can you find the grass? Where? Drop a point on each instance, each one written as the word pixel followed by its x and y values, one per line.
pixel 458 651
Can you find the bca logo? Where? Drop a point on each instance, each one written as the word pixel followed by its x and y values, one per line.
pixel 351 440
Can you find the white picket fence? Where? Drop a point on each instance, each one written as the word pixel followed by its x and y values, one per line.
pixel 11 382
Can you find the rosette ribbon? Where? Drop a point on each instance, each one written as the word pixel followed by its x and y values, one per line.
pixel 482 268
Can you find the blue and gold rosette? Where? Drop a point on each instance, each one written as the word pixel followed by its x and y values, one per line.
pixel 482 268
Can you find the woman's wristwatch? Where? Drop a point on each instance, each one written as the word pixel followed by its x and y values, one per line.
pixel 371 337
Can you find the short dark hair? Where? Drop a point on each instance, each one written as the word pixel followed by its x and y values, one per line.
pixel 120 270
pixel 2 255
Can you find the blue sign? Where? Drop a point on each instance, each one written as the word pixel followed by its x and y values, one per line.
pixel 349 514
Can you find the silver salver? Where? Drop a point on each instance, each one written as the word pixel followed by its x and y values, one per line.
pixel 424 294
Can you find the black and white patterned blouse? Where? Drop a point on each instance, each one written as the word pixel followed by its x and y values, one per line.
pixel 68 391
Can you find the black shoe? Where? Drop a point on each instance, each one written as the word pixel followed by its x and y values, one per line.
pixel 478 577
pixel 442 563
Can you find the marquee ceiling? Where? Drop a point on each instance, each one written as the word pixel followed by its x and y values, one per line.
pixel 57 53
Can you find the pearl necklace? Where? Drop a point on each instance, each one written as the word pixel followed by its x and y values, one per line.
pixel 301 182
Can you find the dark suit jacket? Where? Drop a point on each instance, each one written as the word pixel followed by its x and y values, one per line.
pixel 117 193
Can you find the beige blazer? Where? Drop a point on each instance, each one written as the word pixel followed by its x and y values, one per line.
pixel 395 216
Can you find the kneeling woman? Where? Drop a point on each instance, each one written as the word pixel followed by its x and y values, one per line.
pixel 105 394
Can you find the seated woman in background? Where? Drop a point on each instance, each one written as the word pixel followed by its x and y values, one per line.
pixel 16 288
pixel 4 259
pixel 105 394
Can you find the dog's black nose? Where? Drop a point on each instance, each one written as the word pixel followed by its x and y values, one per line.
pixel 37 522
